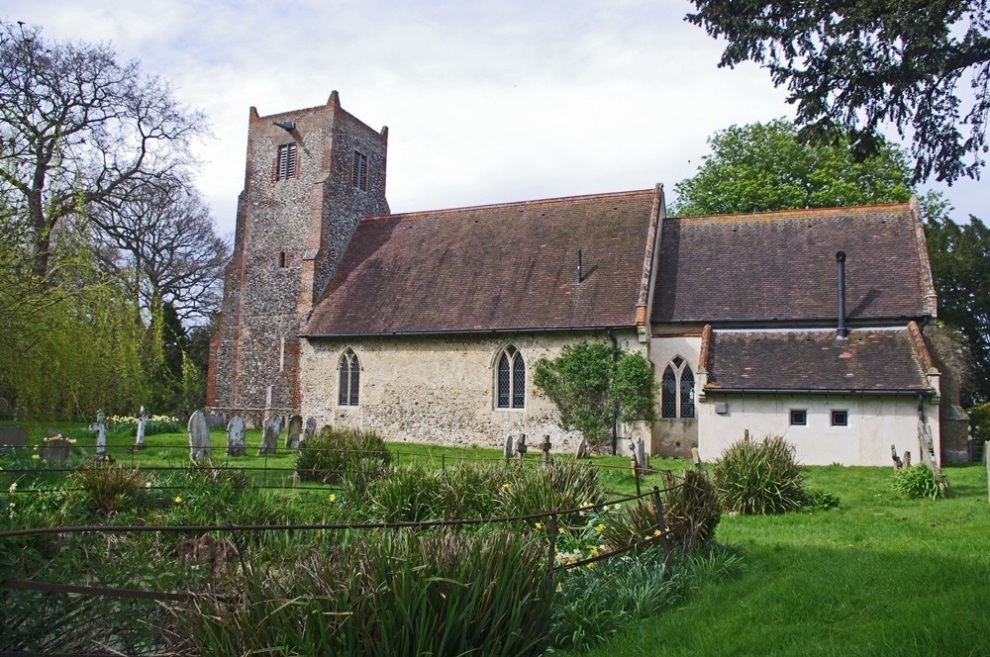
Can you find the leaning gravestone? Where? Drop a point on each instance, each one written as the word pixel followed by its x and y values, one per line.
pixel 199 437
pixel 294 432
pixel 13 437
pixel 510 447
pixel 142 422
pixel 640 450
pixel 582 448
pixel 269 438
pixel 235 436
pixel 55 450
pixel 310 429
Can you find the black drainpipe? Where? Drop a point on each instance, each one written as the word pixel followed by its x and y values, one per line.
pixel 842 332
pixel 615 411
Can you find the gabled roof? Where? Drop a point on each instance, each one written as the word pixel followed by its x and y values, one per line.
pixel 492 268
pixel 868 361
pixel 780 267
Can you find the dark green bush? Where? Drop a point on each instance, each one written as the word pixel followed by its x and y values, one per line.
pixel 692 509
pixel 108 488
pixel 333 454
pixel 759 477
pixel 916 482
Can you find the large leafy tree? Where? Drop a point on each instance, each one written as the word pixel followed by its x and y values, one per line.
pixel 761 167
pixel 77 129
pixel 858 65
pixel 591 383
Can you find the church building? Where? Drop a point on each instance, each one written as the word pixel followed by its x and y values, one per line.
pixel 426 326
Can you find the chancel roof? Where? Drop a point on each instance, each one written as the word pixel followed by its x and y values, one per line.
pixel 870 361
pixel 780 267
pixel 493 268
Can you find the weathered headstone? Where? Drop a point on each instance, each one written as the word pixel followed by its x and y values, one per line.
pixel 55 450
pixel 199 437
pixel 235 436
pixel 101 433
pixel 582 448
pixel 310 429
pixel 269 438
pixel 142 423
pixel 641 453
pixel 294 432
pixel 13 437
pixel 510 447
pixel 521 447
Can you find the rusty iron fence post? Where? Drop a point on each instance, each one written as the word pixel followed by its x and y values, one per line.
pixel 661 526
pixel 552 549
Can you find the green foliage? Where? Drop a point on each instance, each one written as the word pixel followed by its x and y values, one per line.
pixel 916 482
pixel 108 488
pixel 385 594
pixel 852 66
pixel 761 167
pixel 692 509
pixel 589 382
pixel 758 477
pixel 332 453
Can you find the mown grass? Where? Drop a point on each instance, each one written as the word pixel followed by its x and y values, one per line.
pixel 877 576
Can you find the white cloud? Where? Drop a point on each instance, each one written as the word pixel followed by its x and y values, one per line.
pixel 485 101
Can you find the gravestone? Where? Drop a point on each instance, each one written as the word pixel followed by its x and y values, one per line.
pixel 310 429
pixel 640 449
pixel 101 433
pixel 293 433
pixel 199 437
pixel 55 450
pixel 269 438
pixel 520 445
pixel 510 447
pixel 13 437
pixel 582 448
pixel 235 436
pixel 142 423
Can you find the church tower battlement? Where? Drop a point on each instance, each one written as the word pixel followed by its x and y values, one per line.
pixel 311 175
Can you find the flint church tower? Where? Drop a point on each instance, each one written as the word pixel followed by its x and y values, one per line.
pixel 311 175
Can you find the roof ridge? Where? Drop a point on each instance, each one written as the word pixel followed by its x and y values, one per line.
pixel 798 213
pixel 511 204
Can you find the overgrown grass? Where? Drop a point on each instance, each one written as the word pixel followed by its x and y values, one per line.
pixel 876 576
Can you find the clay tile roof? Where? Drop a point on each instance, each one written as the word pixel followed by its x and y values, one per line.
pixel 491 268
pixel 882 360
pixel 781 266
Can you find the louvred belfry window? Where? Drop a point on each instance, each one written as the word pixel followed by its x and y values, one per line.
pixel 349 379
pixel 677 390
pixel 286 162
pixel 359 177
pixel 510 379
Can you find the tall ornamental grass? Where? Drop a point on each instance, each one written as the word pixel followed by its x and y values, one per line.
pixel 395 594
pixel 334 454
pixel 759 477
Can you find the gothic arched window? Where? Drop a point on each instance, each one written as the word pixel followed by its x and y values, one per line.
pixel 677 390
pixel 510 379
pixel 349 380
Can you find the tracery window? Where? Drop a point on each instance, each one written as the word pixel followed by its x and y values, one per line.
pixel 510 379
pixel 349 370
pixel 677 390
pixel 286 166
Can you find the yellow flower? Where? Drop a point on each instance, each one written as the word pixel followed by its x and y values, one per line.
pixel 13 488
pixel 656 532
pixel 333 497
pixel 177 500
pixel 539 525
pixel 594 552
pixel 560 530
pixel 600 528
pixel 506 487
pixel 590 566
pixel 560 589
pixel 35 457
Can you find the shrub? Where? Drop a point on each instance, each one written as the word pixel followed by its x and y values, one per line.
pixel 333 453
pixel 562 484
pixel 412 494
pixel 759 477
pixel 108 488
pixel 692 509
pixel 916 482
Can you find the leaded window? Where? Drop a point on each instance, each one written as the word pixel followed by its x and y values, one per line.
pixel 286 162
pixel 677 390
pixel 510 379
pixel 349 379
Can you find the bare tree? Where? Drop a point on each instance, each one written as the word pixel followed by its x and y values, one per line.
pixel 160 238
pixel 77 128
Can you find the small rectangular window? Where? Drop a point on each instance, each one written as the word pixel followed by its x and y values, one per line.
pixel 359 176
pixel 840 418
pixel 286 167
pixel 799 417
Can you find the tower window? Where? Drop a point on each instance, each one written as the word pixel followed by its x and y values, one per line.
pixel 677 390
pixel 286 166
pixel 510 379
pixel 281 260
pixel 359 177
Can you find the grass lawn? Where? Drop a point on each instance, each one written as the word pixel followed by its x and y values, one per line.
pixel 877 576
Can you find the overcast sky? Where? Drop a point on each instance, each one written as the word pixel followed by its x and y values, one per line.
pixel 485 101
